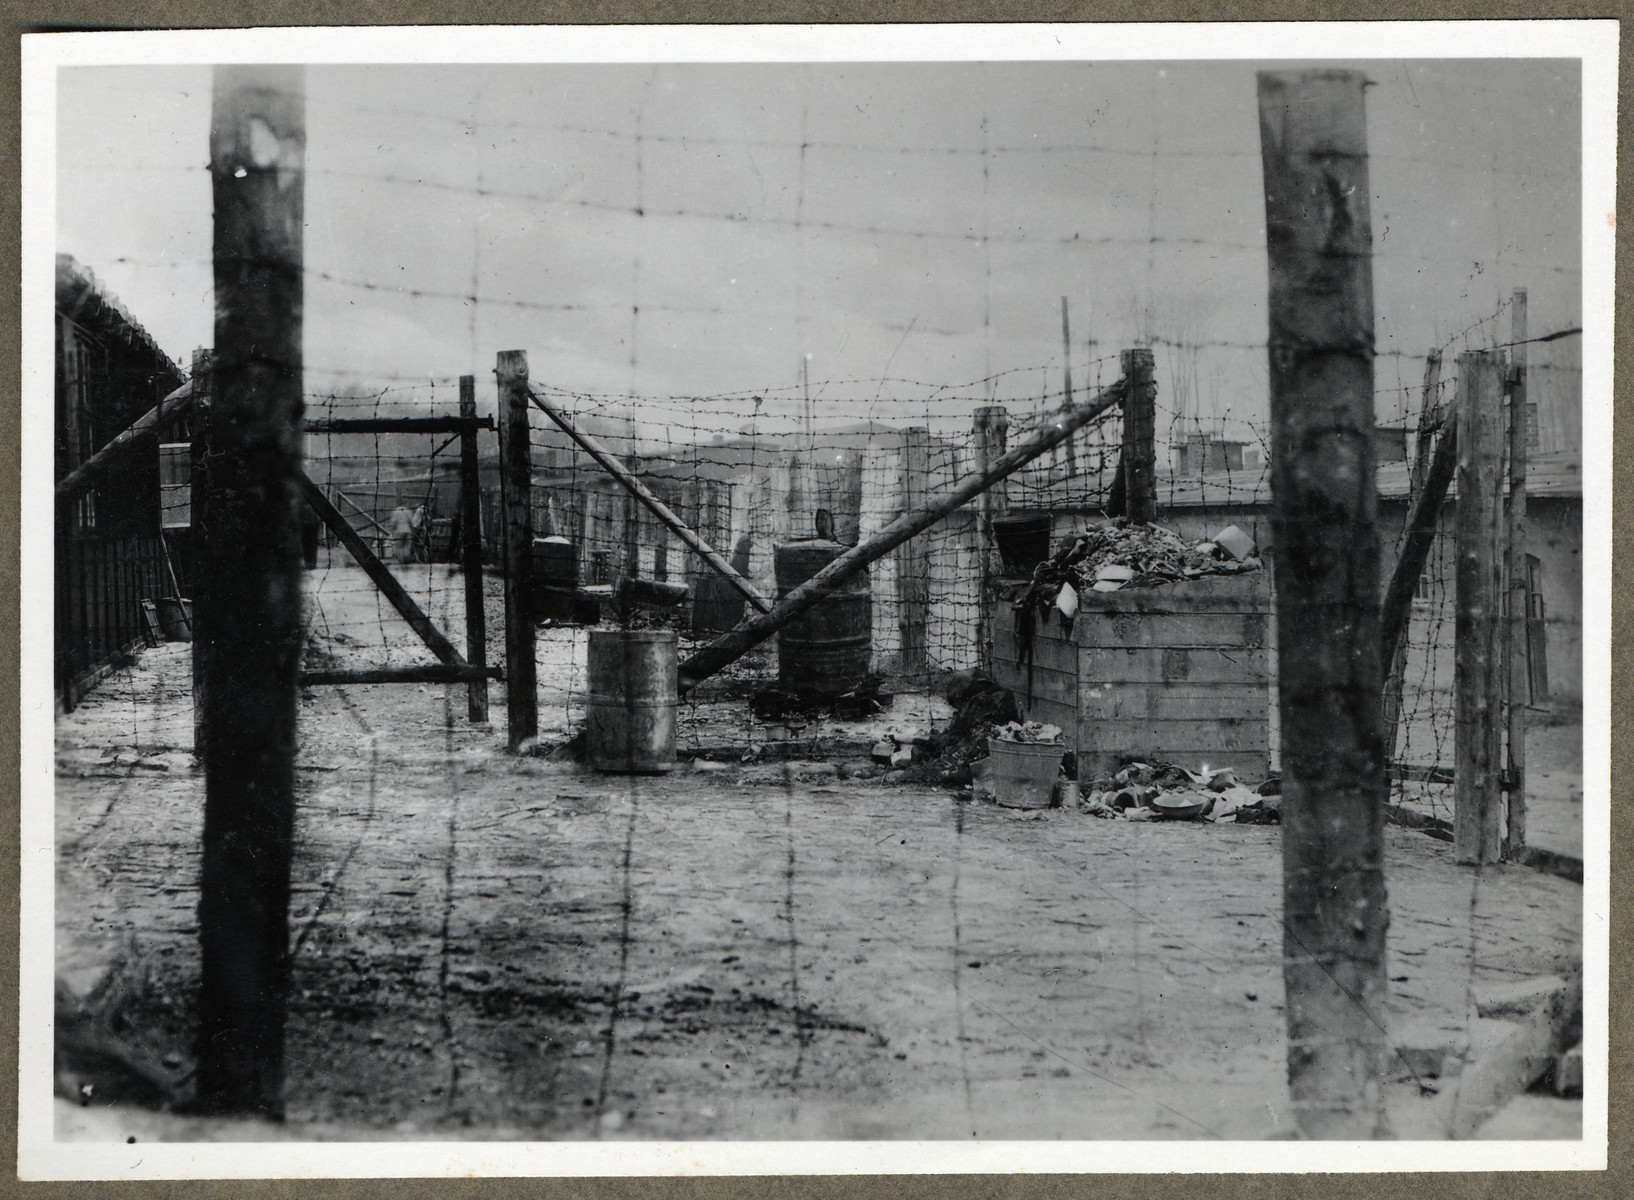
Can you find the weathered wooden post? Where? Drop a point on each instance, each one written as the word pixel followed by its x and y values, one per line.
pixel 198 482
pixel 990 428
pixel 516 487
pixel 1139 438
pixel 251 602
pixel 476 629
pixel 1066 372
pixel 1318 232
pixel 1431 414
pixel 1516 655
pixel 1478 654
pixel 913 561
pixel 1393 640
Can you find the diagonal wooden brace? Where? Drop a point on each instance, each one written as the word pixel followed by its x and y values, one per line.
pixel 376 570
pixel 659 509
pixel 736 642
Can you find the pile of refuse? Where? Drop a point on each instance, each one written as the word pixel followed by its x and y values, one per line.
pixel 1118 555
pixel 1163 791
pixel 1033 733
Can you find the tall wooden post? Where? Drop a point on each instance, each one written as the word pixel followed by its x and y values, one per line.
pixel 251 560
pixel 913 557
pixel 1139 438
pixel 991 430
pixel 1066 403
pixel 1478 665
pixel 198 483
pixel 1431 414
pixel 516 485
pixel 1319 236
pixel 476 628
pixel 1515 645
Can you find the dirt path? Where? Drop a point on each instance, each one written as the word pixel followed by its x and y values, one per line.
pixel 508 948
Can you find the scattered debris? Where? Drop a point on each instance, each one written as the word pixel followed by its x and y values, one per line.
pixel 1118 555
pixel 1142 791
pixel 979 705
pixel 1035 733
pixel 1235 542
pixel 861 702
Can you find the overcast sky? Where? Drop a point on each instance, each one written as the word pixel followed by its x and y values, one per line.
pixel 695 230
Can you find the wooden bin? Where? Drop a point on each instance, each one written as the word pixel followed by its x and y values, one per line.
pixel 1178 673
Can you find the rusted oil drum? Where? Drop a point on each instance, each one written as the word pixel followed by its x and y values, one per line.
pixel 1023 542
pixel 631 716
pixel 825 651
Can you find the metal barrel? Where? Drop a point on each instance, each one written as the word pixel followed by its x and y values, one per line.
pixel 1023 542
pixel 630 725
pixel 825 651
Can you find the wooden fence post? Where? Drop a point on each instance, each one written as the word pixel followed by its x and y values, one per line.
pixel 1066 371
pixel 476 628
pixel 1478 659
pixel 1431 416
pixel 913 562
pixel 252 603
pixel 516 485
pixel 197 518
pixel 1516 655
pixel 1319 236
pixel 1139 438
pixel 991 428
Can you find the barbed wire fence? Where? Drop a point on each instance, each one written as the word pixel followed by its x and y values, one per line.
pixel 758 462
pixel 753 463
pixel 751 467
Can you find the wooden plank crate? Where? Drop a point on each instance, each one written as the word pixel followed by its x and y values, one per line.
pixel 1178 673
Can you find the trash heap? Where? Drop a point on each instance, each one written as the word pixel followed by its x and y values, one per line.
pixel 1163 791
pixel 1033 733
pixel 1117 555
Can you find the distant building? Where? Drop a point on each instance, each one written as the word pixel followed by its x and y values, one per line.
pixel 1208 453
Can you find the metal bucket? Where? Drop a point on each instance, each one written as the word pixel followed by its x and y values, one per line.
pixel 633 686
pixel 826 650
pixel 1023 773
pixel 1023 542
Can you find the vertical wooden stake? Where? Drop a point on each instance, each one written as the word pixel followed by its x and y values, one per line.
pixel 476 629
pixel 252 557
pixel 198 484
pixel 1319 235
pixel 516 484
pixel 913 562
pixel 1478 665
pixel 1394 641
pixel 991 428
pixel 1517 656
pixel 1431 414
pixel 1140 438
pixel 1066 403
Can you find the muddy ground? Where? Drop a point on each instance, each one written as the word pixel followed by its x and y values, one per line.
pixel 500 947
